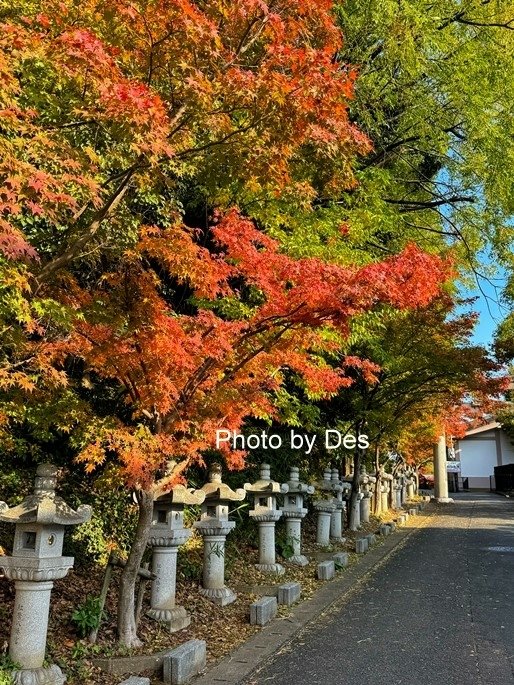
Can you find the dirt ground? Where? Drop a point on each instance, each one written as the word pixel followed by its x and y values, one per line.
pixel 223 628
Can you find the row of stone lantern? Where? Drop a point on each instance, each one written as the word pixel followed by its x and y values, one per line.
pixel 41 518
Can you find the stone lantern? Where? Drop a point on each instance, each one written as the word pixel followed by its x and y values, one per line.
pixel 367 483
pixel 36 562
pixel 325 506
pixel 266 514
pixel 293 511
pixel 386 480
pixel 214 527
pixel 411 484
pixel 403 492
pixel 166 535
pixel 399 492
pixel 336 518
pixel 396 493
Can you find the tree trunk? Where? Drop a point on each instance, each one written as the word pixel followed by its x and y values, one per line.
pixel 377 509
pixel 127 627
pixel 357 458
pixel 353 504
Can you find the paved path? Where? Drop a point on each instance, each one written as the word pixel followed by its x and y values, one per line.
pixel 439 611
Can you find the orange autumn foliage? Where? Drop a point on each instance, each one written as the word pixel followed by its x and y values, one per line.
pixel 185 375
pixel 242 94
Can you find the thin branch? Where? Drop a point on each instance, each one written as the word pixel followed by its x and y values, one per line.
pixel 420 205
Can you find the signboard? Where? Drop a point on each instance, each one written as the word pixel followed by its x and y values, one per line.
pixel 453 466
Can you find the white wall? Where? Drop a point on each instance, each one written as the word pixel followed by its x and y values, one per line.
pixel 507 449
pixel 478 457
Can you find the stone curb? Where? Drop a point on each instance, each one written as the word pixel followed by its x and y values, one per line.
pixel 261 647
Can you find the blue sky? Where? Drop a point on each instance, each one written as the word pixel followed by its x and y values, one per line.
pixel 490 310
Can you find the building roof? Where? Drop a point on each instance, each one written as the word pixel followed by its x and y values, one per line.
pixel 482 429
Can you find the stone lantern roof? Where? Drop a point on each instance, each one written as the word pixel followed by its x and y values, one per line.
pixel 44 506
pixel 216 490
pixel 180 494
pixel 384 475
pixel 294 485
pixel 328 485
pixel 266 486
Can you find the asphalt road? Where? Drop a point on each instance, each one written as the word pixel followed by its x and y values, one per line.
pixel 439 611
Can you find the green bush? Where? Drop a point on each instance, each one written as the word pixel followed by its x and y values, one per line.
pixel 7 665
pixel 88 616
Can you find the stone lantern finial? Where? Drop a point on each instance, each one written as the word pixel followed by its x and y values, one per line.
pixel 46 479
pixel 215 473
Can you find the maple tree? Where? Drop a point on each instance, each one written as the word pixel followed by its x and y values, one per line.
pixel 122 327
pixel 257 313
pixel 110 115
pixel 99 103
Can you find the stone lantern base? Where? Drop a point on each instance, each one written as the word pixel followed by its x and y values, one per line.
pixel 39 676
pixel 271 568
pixel 220 596
pixel 298 560
pixel 176 618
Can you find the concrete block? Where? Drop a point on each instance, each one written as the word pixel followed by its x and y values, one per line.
pixel 413 511
pixel 326 570
pixel 122 665
pixel 361 545
pixel 263 610
pixel 289 593
pixel 184 662
pixel 341 559
pixel 135 680
pixel 392 526
pixel 371 539
pixel 401 520
pixel 384 530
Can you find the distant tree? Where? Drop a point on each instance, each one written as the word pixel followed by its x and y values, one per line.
pixel 434 95
pixel 428 377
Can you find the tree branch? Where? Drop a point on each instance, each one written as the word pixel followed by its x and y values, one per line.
pixel 420 205
pixel 101 215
